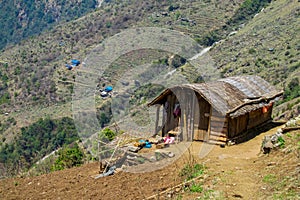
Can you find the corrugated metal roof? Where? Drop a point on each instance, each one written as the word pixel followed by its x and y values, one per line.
pixel 234 95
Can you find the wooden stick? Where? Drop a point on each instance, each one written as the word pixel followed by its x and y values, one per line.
pixel 287 129
pixel 172 188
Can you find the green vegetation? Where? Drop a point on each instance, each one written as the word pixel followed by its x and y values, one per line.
pixel 68 157
pixel 145 93
pixel 22 19
pixel 108 133
pixel 196 187
pixel 281 142
pixel 247 10
pixel 192 171
pixel 5 124
pixel 269 178
pixel 5 98
pixel 36 141
pixel 292 91
pixel 242 15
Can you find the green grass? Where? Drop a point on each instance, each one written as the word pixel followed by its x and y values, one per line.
pixel 269 179
pixel 196 187
pixel 192 171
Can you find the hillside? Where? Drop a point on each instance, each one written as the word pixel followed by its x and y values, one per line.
pixel 247 37
pixel 267 46
pixel 22 19
pixel 233 172
pixel 34 79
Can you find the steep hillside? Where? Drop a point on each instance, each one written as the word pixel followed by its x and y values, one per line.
pixel 235 172
pixel 267 46
pixel 22 19
pixel 34 81
pixel 37 64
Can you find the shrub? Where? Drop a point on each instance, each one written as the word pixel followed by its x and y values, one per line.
pixel 192 171
pixel 68 157
pixel 108 133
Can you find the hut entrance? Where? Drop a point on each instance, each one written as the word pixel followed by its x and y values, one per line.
pixel 201 119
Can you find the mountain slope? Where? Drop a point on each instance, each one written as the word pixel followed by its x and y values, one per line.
pixel 267 46
pixel 22 19
pixel 34 81
pixel 37 64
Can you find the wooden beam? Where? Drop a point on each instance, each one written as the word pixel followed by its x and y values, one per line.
pixel 255 101
pixel 157 118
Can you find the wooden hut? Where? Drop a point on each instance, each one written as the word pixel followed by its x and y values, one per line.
pixel 217 111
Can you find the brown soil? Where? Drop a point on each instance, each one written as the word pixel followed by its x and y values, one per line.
pixel 232 173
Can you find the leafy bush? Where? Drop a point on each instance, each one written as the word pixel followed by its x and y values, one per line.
pixel 196 188
pixel 108 133
pixel 210 38
pixel 68 157
pixel 192 171
pixel 5 98
pixel 292 91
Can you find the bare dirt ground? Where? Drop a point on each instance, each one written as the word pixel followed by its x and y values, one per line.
pixel 235 172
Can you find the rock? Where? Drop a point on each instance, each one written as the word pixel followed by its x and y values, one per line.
pixel 131 157
pixel 267 147
pixel 171 154
pixel 279 131
pixel 230 143
pixel 237 196
pixel 152 159
pixel 271 163
pixel 268 144
pixel 133 149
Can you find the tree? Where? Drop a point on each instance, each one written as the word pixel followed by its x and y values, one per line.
pixel 68 157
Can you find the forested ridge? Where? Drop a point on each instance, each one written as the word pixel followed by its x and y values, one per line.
pixel 22 19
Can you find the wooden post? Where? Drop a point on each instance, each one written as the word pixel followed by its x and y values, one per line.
pixel 100 161
pixel 163 121
pixel 209 125
pixel 157 118
pixel 193 107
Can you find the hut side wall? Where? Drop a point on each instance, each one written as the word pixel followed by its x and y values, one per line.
pixel 257 117
pixel 237 125
pixel 218 128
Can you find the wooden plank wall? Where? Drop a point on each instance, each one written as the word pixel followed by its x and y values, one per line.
pixel 240 125
pixel 257 117
pixel 218 128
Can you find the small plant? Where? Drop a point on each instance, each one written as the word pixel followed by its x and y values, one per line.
pixel 192 171
pixel 196 188
pixel 281 142
pixel 109 134
pixel 269 178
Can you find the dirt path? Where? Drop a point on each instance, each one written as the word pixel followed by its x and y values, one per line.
pixel 232 173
